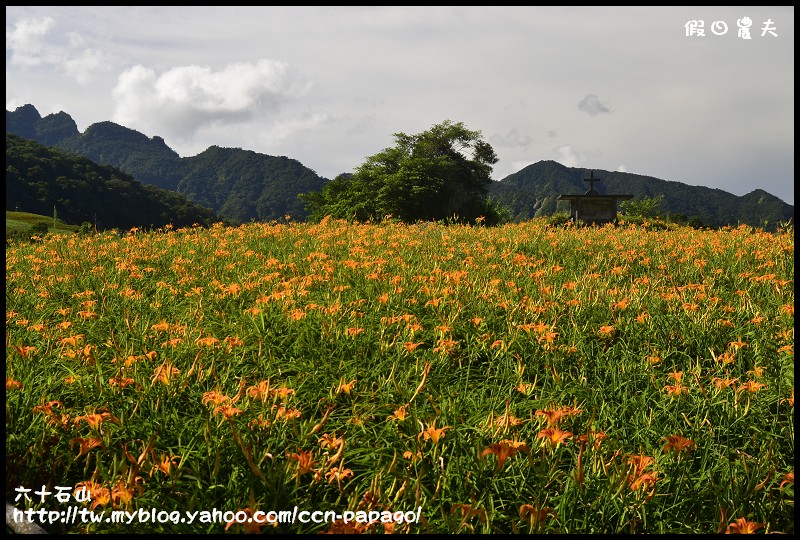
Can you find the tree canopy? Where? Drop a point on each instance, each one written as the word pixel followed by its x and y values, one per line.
pixel 439 174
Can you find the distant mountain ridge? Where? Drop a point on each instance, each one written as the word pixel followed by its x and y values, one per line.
pixel 244 185
pixel 46 180
pixel 534 191
pixel 238 184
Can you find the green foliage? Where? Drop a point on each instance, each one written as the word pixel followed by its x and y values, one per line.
pixel 440 174
pixel 558 219
pixel 646 207
pixel 39 229
pixel 86 228
pixel 42 180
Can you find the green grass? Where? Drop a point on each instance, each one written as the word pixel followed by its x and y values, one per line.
pixel 386 367
pixel 23 221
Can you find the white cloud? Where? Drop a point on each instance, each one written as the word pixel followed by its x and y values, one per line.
pixel 25 42
pixel 512 138
pixel 622 168
pixel 591 104
pixel 184 99
pixel 569 157
pixel 32 45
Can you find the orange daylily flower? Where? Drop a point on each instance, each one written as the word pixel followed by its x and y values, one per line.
pixel 433 433
pixel 399 414
pixel 677 375
pixel 504 450
pixel 410 346
pixel 621 305
pixel 788 478
pixel 337 475
pixel 644 480
pixel 345 387
pixel 547 337
pixel 207 341
pixel 286 414
pixel 789 400
pixel 721 383
pixel 606 331
pixel 73 341
pixel 553 415
pixel 120 381
pixel 12 384
pixel 678 444
pixel 445 345
pixel 640 462
pixel 122 494
pixel 283 392
pixel 249 524
pixel 524 388
pixel 505 420
pixel 534 513
pixel 468 512
pixel 162 326
pixel 599 437
pixel 554 436
pixel 259 421
pixel 25 351
pixel 232 342
pixel 86 444
pixel 227 410
pixel 742 526
pixel 328 441
pixel 98 494
pixel 164 464
pixel 675 390
pixel 725 358
pixel 751 386
pixel 305 461
pixel 95 421
pixel 164 373
pixel 259 391
pixel 215 397
pixel 757 371
pixel 47 408
pixel 736 345
pixel 566 410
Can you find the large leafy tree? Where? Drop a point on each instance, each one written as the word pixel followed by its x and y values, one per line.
pixel 439 174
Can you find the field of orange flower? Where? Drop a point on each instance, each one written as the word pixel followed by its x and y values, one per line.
pixel 521 378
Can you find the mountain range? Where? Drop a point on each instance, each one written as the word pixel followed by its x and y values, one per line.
pixel 243 185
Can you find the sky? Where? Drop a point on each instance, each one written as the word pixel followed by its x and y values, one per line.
pixel 608 88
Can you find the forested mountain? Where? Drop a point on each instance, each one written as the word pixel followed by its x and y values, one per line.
pixel 534 191
pixel 39 178
pixel 244 185
pixel 238 184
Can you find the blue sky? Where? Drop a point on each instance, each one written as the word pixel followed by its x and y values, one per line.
pixel 612 88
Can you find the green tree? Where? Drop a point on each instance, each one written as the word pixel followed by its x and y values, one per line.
pixel 39 228
pixel 439 174
pixel 646 207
